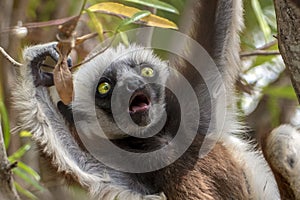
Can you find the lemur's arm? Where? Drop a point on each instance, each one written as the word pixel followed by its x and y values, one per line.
pixel 215 25
pixel 39 115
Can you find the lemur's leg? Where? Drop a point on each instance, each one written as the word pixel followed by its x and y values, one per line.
pixel 281 149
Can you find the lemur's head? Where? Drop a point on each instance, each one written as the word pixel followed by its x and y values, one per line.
pixel 124 88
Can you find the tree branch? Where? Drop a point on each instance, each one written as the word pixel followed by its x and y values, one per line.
pixel 288 23
pixel 7 189
pixel 259 53
pixel 268 45
pixel 9 58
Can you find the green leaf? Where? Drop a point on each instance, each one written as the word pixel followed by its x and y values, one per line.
pixel 273 105
pixel 23 175
pixel 259 60
pixel 19 153
pixel 97 24
pixel 270 17
pixel 25 134
pixel 136 17
pixel 29 170
pixel 261 19
pixel 156 4
pixel 124 38
pixel 26 193
pixel 5 123
pixel 286 92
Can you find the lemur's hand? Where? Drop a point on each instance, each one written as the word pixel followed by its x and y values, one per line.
pixel 35 56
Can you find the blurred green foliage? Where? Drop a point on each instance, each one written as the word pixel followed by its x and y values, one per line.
pixel 261 71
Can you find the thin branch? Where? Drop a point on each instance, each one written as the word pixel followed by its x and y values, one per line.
pixel 11 166
pixel 259 53
pixel 32 25
pixel 268 45
pixel 9 58
pixel 61 21
pixel 95 55
pixel 83 38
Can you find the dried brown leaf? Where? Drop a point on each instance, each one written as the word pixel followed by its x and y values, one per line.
pixel 63 81
pixel 66 30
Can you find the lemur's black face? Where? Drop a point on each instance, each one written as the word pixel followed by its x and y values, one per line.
pixel 137 81
pixel 128 93
pixel 132 95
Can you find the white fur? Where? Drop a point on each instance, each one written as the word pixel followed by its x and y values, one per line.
pixel 31 103
pixel 33 118
pixel 258 174
pixel 283 149
pixel 35 109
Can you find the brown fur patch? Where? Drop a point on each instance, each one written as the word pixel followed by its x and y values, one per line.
pixel 216 176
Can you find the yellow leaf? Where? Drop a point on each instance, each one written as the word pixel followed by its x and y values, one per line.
pixel 122 11
pixel 25 134
pixel 97 24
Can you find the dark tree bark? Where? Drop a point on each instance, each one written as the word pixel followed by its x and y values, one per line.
pixel 288 24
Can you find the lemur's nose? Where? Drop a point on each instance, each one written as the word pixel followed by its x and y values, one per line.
pixel 133 84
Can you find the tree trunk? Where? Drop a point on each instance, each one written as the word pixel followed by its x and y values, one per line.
pixel 7 189
pixel 288 25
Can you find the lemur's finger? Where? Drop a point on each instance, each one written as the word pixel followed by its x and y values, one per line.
pixel 44 79
pixel 69 61
pixel 53 53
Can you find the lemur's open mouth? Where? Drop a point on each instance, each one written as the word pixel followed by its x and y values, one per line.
pixel 139 102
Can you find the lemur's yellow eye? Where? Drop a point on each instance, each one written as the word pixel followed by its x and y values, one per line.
pixel 147 72
pixel 104 88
